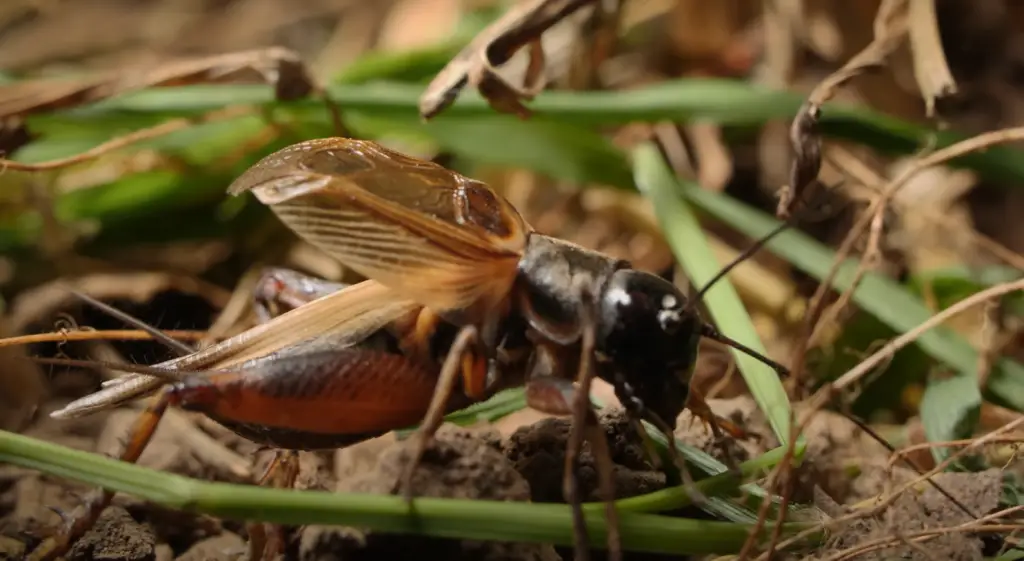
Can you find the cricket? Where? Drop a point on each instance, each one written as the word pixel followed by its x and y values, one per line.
pixel 462 299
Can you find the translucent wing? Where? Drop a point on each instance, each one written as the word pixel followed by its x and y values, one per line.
pixel 345 317
pixel 432 235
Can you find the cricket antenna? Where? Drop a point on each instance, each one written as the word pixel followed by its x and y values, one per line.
pixel 709 331
pixel 171 343
pixel 746 254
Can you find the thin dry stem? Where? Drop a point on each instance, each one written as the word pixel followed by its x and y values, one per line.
pixel 885 502
pixel 887 351
pixel 907 450
pixel 890 30
pixel 974 526
pixel 869 178
pixel 961 148
pixel 872 254
pixel 96 335
pixel 233 312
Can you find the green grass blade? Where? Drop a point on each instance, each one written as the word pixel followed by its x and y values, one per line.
pixel 878 295
pixel 684 234
pixel 728 102
pixel 450 518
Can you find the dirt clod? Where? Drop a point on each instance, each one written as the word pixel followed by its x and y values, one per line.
pixel 920 510
pixel 117 537
pixel 538 453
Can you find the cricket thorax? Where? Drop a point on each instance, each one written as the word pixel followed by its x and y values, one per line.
pixel 552 276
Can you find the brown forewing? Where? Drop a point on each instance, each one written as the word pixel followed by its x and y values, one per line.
pixel 341 318
pixel 434 236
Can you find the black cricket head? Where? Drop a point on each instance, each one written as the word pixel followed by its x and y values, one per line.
pixel 647 340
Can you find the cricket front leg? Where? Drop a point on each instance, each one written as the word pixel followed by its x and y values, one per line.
pixel 719 426
pixel 556 396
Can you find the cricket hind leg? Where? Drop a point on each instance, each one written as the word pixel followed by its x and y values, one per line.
pixel 78 522
pixel 284 286
pixel 266 541
pixel 464 362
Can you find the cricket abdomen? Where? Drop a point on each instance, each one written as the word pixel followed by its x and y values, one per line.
pixel 322 399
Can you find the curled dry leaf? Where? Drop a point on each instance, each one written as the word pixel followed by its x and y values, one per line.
pixel 476 64
pixel 890 32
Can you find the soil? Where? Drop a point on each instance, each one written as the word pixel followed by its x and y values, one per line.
pixel 841 468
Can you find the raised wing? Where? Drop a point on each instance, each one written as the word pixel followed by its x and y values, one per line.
pixel 343 318
pixel 432 235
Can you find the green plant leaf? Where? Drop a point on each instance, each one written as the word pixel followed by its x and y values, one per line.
pixel 691 249
pixel 950 409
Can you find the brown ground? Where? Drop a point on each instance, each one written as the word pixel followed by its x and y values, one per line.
pixel 523 464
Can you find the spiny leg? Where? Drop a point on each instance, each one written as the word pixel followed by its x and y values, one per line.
pixel 461 362
pixel 581 410
pixel 266 540
pixel 277 291
pixel 719 426
pixel 637 410
pixel 83 517
pixel 555 396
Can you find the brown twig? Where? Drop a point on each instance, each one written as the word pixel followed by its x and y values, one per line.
pixel 236 307
pixel 890 30
pixel 973 526
pixel 95 335
pixel 890 348
pixel 852 166
pixel 937 157
pixel 907 450
pixel 825 395
pixel 872 254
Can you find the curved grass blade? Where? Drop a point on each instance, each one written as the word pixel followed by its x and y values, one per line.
pixel 448 518
pixel 684 234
